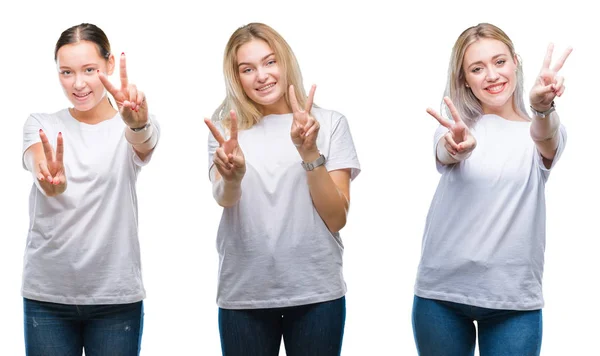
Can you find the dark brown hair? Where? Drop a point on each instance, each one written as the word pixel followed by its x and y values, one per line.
pixel 84 32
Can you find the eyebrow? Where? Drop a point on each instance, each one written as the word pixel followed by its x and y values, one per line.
pixel 262 59
pixel 83 66
pixel 494 57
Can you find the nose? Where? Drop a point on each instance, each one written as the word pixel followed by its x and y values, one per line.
pixel 263 75
pixel 492 75
pixel 79 82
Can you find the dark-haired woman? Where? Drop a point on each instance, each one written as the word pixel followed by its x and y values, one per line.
pixel 82 283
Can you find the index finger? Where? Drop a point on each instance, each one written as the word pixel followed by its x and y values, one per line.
pixel 562 59
pixel 123 72
pixel 453 111
pixel 548 57
pixel 48 152
pixel 311 95
pixel 108 85
pixel 439 118
pixel 234 125
pixel 293 100
pixel 215 132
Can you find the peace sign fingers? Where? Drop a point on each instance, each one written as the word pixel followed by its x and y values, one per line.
pixel 215 132
pixel 234 125
pixel 293 99
pixel 311 96
pixel 116 93
pixel 562 59
pixel 447 124
pixel 48 151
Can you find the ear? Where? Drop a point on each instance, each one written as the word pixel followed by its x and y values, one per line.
pixel 110 64
pixel 516 59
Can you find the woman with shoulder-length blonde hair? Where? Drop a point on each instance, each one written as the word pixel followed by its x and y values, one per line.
pixel 285 199
pixel 483 246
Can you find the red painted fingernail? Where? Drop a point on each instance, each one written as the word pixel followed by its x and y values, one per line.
pixel 98 70
pixel 122 53
pixel 60 133
pixel 40 130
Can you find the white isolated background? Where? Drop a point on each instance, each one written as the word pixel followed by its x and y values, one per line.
pixel 379 63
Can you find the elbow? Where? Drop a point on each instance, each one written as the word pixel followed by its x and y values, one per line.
pixel 335 225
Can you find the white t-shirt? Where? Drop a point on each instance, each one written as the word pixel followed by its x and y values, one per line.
pixel 485 233
pixel 274 248
pixel 82 245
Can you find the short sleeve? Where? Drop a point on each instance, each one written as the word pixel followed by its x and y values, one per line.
pixel 342 153
pixel 136 159
pixel 562 141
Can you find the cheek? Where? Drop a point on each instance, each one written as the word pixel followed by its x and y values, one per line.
pixel 246 81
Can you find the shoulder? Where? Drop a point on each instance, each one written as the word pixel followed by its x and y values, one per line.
pixel 328 117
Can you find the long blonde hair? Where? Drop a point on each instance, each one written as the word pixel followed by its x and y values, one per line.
pixel 467 104
pixel 248 113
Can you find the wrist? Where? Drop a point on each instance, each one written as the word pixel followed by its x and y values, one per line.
pixel 309 156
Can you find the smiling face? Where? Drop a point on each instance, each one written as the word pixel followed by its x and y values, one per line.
pixel 261 76
pixel 78 65
pixel 490 72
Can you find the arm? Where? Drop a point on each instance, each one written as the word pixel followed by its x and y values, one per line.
pixel 330 193
pixel 545 124
pixel 544 132
pixel 226 192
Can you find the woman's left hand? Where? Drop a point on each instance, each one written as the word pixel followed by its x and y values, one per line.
pixel 305 129
pixel 131 102
pixel 548 84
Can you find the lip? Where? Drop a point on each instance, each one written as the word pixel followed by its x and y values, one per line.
pixel 82 96
pixel 497 88
pixel 268 88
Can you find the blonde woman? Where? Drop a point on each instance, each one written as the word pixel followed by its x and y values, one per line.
pixel 483 246
pixel 283 177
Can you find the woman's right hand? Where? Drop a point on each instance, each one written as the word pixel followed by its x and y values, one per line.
pixel 459 139
pixel 51 170
pixel 228 158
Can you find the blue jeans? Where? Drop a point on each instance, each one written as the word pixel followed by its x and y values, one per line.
pixel 314 329
pixel 64 330
pixel 444 328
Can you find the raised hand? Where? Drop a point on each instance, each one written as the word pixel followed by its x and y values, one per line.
pixel 548 84
pixel 305 128
pixel 130 101
pixel 52 169
pixel 459 138
pixel 228 158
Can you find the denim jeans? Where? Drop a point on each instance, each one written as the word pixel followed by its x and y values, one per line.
pixel 65 330
pixel 444 328
pixel 314 329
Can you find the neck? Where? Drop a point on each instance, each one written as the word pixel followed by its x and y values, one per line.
pixel 278 108
pixel 101 112
pixel 506 111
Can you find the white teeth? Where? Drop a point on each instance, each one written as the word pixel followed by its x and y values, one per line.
pixel 496 88
pixel 82 96
pixel 266 87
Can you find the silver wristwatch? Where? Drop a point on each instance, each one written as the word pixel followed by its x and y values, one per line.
pixel 138 129
pixel 314 164
pixel 543 114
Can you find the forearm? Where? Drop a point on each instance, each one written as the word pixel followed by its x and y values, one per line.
pixel 142 141
pixel 226 193
pixel 329 201
pixel 544 133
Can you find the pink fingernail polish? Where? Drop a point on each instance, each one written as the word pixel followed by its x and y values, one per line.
pixel 122 53
pixel 40 130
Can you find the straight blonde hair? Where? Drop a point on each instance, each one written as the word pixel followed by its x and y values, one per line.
pixel 248 113
pixel 467 104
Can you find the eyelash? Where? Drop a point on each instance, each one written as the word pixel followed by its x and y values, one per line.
pixel 269 63
pixel 498 63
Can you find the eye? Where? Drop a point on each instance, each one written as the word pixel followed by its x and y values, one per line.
pixel 246 70
pixel 65 72
pixel 90 70
pixel 271 62
pixel 476 70
pixel 500 62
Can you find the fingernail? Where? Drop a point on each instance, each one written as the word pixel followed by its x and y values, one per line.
pixel 122 53
pixel 60 133
pixel 98 71
pixel 40 130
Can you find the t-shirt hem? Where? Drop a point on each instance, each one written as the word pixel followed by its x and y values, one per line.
pixel 281 303
pixel 482 303
pixel 60 299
